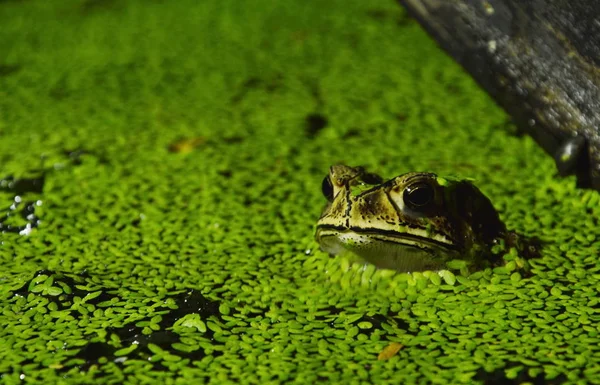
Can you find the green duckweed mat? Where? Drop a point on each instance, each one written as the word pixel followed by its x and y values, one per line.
pixel 161 170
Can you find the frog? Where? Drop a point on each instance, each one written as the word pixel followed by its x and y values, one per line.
pixel 416 221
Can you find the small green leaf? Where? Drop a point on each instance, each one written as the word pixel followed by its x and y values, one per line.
pixel 183 347
pixel 54 290
pixel 448 277
pixel 91 296
pixel 192 321
pixel 155 349
pixel 224 309
pixel 126 351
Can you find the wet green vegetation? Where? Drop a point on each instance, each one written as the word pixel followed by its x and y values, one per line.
pixel 165 159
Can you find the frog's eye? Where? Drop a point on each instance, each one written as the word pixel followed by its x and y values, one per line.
pixel 418 195
pixel 327 189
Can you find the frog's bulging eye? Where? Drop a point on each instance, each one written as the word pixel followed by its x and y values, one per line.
pixel 327 189
pixel 418 195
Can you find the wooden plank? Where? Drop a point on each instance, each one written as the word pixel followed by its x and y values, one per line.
pixel 539 60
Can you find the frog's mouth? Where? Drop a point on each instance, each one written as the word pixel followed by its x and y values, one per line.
pixel 387 249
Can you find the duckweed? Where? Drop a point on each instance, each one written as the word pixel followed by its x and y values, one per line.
pixel 160 178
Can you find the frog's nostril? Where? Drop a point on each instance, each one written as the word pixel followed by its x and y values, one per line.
pixel 370 178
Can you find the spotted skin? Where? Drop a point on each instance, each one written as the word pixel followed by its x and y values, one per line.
pixel 415 221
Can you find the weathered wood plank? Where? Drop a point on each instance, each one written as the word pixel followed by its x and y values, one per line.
pixel 540 61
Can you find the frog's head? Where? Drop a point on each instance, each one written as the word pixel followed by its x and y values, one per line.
pixel 415 221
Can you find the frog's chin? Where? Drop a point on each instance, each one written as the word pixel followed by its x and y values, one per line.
pixel 389 252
